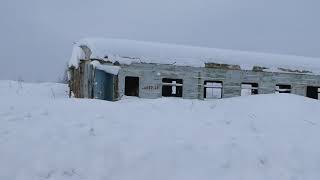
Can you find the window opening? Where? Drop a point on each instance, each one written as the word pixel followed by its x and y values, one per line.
pixel 248 89
pixel 172 87
pixel 212 90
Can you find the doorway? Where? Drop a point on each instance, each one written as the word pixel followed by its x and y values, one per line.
pixel 131 86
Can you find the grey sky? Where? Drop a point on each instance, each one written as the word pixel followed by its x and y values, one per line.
pixel 37 35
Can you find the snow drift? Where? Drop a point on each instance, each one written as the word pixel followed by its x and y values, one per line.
pixel 45 135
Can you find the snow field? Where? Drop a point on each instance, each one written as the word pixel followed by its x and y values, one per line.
pixel 45 135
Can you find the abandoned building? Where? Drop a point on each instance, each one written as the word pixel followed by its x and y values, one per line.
pixel 109 69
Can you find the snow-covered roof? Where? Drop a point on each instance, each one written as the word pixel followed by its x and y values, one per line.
pixel 106 68
pixel 130 51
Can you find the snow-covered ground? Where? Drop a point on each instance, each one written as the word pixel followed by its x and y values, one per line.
pixel 46 136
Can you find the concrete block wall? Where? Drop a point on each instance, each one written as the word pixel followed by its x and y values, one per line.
pixel 149 80
pixel 151 75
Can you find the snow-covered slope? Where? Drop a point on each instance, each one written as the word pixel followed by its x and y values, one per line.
pixel 46 136
pixel 130 51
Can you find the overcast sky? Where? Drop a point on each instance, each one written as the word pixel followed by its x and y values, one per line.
pixel 37 35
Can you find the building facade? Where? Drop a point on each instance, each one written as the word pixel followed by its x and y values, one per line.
pixel 110 69
pixel 147 80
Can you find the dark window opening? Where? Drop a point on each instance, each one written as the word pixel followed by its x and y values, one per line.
pixel 172 87
pixel 248 89
pixel 283 88
pixel 212 90
pixel 313 92
pixel 131 86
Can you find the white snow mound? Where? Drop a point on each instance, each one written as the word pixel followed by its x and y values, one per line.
pixel 263 137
